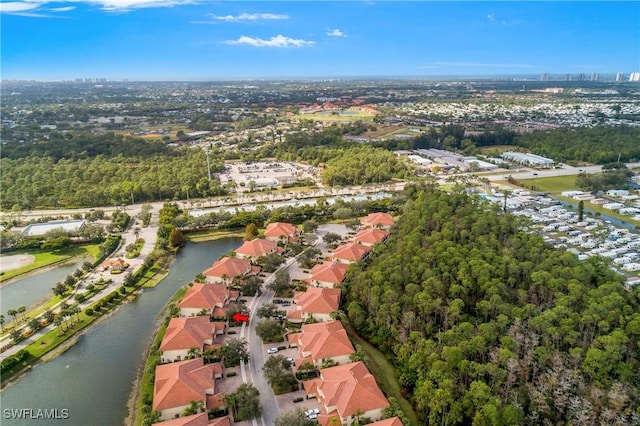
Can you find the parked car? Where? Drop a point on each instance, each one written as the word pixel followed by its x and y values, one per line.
pixel 272 350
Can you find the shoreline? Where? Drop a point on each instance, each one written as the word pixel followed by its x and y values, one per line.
pixel 36 271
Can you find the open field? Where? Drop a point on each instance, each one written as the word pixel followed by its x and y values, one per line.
pixel 334 115
pixel 556 184
pixel 498 148
pixel 552 185
pixel 381 131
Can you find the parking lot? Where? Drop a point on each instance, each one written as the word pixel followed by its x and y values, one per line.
pixel 249 176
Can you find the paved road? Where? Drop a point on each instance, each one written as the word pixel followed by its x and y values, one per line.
pixel 565 170
pixel 258 354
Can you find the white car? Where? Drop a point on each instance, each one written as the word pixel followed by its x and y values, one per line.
pixel 272 350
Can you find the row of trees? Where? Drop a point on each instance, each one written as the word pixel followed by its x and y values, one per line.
pixel 487 324
pixel 42 181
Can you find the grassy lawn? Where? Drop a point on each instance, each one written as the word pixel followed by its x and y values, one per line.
pixel 553 185
pixel 152 277
pixel 48 258
pixel 384 373
pixel 198 237
pixel 497 148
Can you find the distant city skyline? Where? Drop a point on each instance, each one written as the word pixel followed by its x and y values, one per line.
pixel 200 40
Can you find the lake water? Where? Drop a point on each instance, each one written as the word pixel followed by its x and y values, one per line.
pixel 93 379
pixel 27 291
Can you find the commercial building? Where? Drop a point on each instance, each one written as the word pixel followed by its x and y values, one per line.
pixel 530 160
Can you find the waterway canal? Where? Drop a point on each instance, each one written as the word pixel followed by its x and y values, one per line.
pixel 93 379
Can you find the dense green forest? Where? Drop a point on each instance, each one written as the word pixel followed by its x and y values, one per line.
pixel 488 325
pixel 105 177
pixel 597 145
pixel 84 145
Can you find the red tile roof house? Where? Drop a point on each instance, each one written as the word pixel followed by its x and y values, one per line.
pixel 255 248
pixel 281 232
pixel 378 220
pixel 328 274
pixel 225 270
pixel 210 297
pixel 350 253
pixel 201 419
pixel 345 390
pixel 179 383
pixel 185 333
pixel 371 236
pixel 316 303
pixel 393 421
pixel 321 341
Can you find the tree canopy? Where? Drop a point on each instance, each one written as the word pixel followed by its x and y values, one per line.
pixel 487 324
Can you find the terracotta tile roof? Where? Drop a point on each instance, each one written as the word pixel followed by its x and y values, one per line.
pixel 204 296
pixel 352 252
pixel 201 419
pixel 349 388
pixel 371 235
pixel 215 401
pixel 377 219
pixel 185 333
pixel 393 421
pixel 179 383
pixel 316 301
pixel 256 247
pixel 280 229
pixel 229 267
pixel 324 340
pixel 330 272
pixel 221 421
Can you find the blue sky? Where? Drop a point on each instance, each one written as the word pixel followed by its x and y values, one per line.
pixel 192 39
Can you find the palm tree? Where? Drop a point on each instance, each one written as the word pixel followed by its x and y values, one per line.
pixel 48 316
pixel 22 309
pixel 193 352
pixel 194 408
pixel 58 322
pixel 75 309
pixel 151 418
pixel 2 320
pixel 34 324
pixel 13 313
pixel 231 402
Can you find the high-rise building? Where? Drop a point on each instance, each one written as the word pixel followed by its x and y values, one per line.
pixel 581 77
pixel 619 76
pixel 544 77
pixel 634 76
pixel 567 77
pixel 595 76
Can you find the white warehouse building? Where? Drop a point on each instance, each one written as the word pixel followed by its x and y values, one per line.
pixel 531 160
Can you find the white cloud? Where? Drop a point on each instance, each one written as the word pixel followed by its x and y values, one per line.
pixel 16 7
pixel 335 33
pixel 491 17
pixel 249 17
pixel 62 9
pixel 277 41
